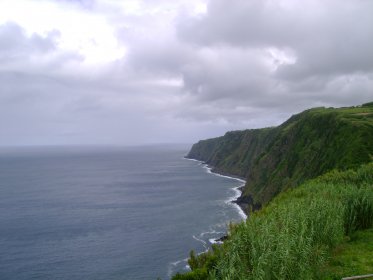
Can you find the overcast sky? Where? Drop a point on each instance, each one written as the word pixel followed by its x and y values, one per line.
pixel 155 71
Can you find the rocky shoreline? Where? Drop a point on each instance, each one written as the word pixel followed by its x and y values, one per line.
pixel 244 203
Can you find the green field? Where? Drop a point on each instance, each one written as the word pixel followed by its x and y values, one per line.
pixel 352 257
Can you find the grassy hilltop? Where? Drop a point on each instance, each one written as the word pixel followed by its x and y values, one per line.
pixel 323 228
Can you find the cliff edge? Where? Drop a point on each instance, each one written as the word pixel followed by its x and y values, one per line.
pixel 307 145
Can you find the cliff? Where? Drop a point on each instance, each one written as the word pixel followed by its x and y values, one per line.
pixel 305 146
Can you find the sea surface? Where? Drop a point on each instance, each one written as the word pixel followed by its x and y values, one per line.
pixel 107 212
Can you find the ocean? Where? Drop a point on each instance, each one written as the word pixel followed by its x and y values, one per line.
pixel 107 212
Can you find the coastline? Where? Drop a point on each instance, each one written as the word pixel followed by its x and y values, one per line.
pixel 234 200
pixel 219 236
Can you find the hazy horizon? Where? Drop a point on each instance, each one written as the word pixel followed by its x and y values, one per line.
pixel 140 72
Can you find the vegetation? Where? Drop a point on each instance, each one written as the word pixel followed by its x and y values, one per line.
pixel 320 230
pixel 352 257
pixel 307 145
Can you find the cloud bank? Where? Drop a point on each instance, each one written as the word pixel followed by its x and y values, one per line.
pixel 137 72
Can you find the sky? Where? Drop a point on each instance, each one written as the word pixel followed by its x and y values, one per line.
pixel 133 72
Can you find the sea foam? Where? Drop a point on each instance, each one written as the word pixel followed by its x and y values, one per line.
pixel 237 191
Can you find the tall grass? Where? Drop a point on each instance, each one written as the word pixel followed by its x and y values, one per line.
pixel 292 237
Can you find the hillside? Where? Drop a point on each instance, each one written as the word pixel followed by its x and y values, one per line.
pixel 320 230
pixel 305 146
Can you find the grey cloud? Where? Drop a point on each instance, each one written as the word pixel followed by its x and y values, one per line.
pixel 328 37
pixel 160 58
pixel 89 4
pixel 14 42
pixel 226 74
pixel 329 42
pixel 244 23
pixel 34 53
pixel 243 64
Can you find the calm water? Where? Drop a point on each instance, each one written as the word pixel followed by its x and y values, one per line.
pixel 106 213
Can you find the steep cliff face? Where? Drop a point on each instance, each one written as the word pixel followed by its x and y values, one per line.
pixel 235 152
pixel 305 146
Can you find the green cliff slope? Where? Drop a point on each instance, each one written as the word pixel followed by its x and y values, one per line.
pixel 304 147
pixel 320 230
